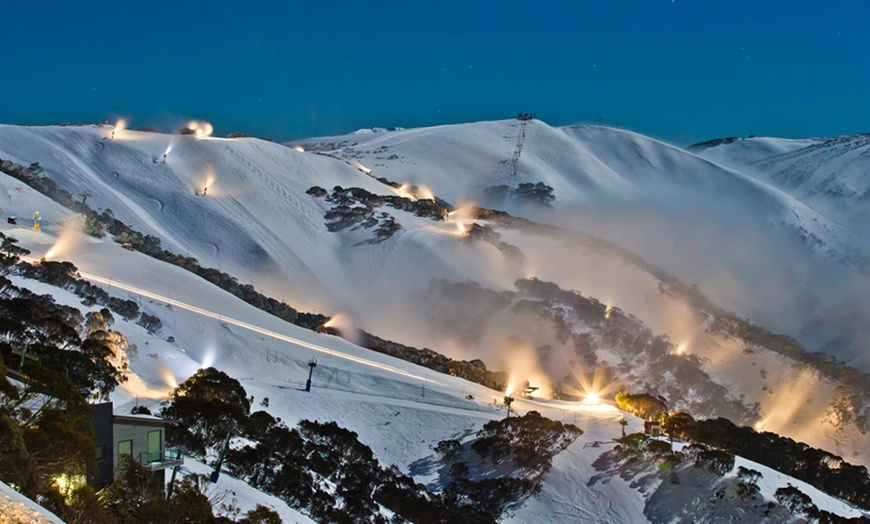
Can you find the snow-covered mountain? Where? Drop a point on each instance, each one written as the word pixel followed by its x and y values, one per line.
pixel 260 222
pixel 737 237
pixel 830 174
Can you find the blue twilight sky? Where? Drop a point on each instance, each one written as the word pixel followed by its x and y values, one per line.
pixel 683 70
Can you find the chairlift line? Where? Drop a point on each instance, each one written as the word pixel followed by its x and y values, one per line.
pixel 251 327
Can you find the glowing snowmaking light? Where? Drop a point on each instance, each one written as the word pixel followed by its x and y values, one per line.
pixel 362 168
pixel 424 193
pixel 298 148
pixel 404 191
pixel 167 377
pixel 592 399
pixel 67 240
pixel 607 312
pixel 200 129
pixel 460 217
pixel 119 126
pixel 335 320
pixel 681 348
pixel 208 359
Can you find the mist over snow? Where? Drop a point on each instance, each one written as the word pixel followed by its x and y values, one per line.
pixel 582 289
pixel 753 247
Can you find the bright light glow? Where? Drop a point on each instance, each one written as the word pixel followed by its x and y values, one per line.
pixel 592 399
pixel 424 193
pixel 681 349
pixel 607 312
pixel 298 148
pixel 120 125
pixel 460 217
pixel 405 191
pixel 208 358
pixel 339 320
pixel 598 408
pixel 66 484
pixel 201 129
pixel 361 167
pixel 413 192
pixel 256 329
pixel 168 378
pixel 69 238
pixel 595 390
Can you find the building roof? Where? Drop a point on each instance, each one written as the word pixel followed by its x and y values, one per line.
pixel 144 420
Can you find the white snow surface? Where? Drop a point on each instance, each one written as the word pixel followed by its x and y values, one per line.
pixel 738 237
pixel 830 174
pixel 15 508
pixel 257 223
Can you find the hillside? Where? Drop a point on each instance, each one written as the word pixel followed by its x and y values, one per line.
pixel 399 410
pixel 829 174
pixel 425 284
pixel 712 226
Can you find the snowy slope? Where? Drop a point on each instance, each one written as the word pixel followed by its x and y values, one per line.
pixel 400 410
pixel 737 237
pixel 15 508
pixel 258 224
pixel 828 173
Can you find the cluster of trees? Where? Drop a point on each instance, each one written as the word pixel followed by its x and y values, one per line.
pixel 63 275
pixel 704 471
pixel 59 358
pixel 854 382
pixel 529 441
pixel 505 462
pixel 431 208
pixel 698 469
pixel 487 234
pixel 801 504
pixel 665 373
pixel 320 468
pixel 823 470
pixel 355 207
pixel 643 405
pixel 537 193
pixel 471 370
pixel 133 498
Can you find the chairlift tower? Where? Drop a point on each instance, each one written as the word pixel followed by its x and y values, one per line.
pixel 311 364
pixel 216 472
pixel 515 158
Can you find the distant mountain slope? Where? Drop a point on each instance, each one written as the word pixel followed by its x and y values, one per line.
pixel 831 174
pixel 256 220
pixel 737 237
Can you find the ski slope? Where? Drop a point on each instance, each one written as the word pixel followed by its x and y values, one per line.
pixel 737 237
pixel 257 223
pixel 399 410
